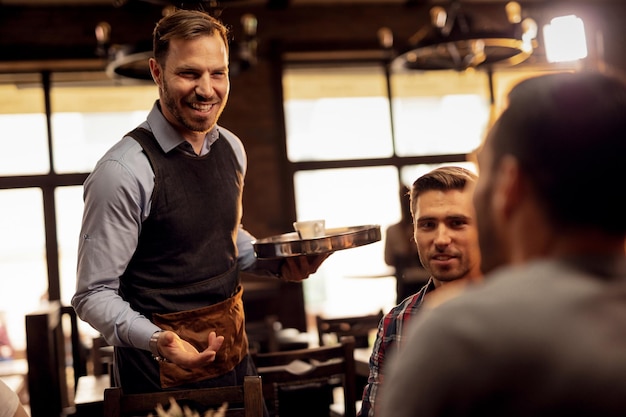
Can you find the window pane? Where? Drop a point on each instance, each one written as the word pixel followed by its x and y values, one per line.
pixel 83 129
pixel 336 114
pixel 352 281
pixel 439 112
pixel 23 273
pixel 80 139
pixel 24 139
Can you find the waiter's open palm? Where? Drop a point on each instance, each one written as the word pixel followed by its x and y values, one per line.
pixel 184 354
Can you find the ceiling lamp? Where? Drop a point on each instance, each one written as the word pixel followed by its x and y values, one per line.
pixel 131 60
pixel 451 41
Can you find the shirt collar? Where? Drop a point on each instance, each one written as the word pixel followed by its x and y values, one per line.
pixel 168 138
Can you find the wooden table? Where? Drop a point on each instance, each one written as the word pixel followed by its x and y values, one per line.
pixel 13 367
pixel 89 399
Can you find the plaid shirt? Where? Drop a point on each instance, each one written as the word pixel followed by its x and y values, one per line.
pixel 389 336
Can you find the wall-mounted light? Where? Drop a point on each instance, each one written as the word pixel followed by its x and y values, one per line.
pixel 249 44
pixel 564 39
pixel 103 39
pixel 385 37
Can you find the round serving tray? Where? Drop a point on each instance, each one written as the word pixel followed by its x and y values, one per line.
pixel 334 239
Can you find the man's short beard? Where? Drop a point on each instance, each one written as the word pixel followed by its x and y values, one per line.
pixel 171 105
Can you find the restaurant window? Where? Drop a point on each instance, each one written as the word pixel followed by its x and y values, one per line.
pixel 337 114
pixel 37 169
pixel 389 136
pixel 23 148
pixel 23 282
pixel 439 112
pixel 353 281
pixel 83 129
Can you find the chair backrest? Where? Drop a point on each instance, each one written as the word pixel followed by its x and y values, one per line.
pixel 262 334
pixel 300 382
pixel 243 400
pixel 357 326
pixel 48 386
pixel 101 356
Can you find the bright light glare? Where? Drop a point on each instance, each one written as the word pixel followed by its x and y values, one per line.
pixel 565 39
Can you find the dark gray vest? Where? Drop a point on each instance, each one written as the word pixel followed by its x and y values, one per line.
pixel 190 234
pixel 186 256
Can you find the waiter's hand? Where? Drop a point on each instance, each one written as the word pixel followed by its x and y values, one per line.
pixel 298 268
pixel 183 354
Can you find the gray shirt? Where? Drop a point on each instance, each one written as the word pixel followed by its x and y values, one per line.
pixel 117 198
pixel 543 339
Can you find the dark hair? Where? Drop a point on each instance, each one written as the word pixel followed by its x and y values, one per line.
pixel 444 179
pixel 184 24
pixel 568 133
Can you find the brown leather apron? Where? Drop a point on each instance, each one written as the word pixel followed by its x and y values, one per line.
pixel 225 319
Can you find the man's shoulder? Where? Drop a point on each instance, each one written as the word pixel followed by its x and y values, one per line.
pixel 126 151
pixel 408 307
pixel 397 320
pixel 237 146
pixel 124 163
pixel 507 300
pixel 231 137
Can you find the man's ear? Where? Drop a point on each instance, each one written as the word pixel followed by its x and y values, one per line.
pixel 509 190
pixel 155 70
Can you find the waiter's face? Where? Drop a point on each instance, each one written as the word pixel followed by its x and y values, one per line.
pixel 193 83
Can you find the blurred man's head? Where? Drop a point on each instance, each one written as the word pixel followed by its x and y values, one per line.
pixel 553 166
pixel 444 224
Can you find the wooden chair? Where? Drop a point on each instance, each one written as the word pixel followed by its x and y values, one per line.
pixel 301 382
pixel 101 356
pixel 358 326
pixel 270 336
pixel 48 387
pixel 243 400
pixel 89 397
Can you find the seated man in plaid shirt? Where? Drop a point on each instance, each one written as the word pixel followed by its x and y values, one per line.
pixel 447 242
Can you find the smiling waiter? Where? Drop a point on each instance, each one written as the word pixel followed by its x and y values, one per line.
pixel 161 240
